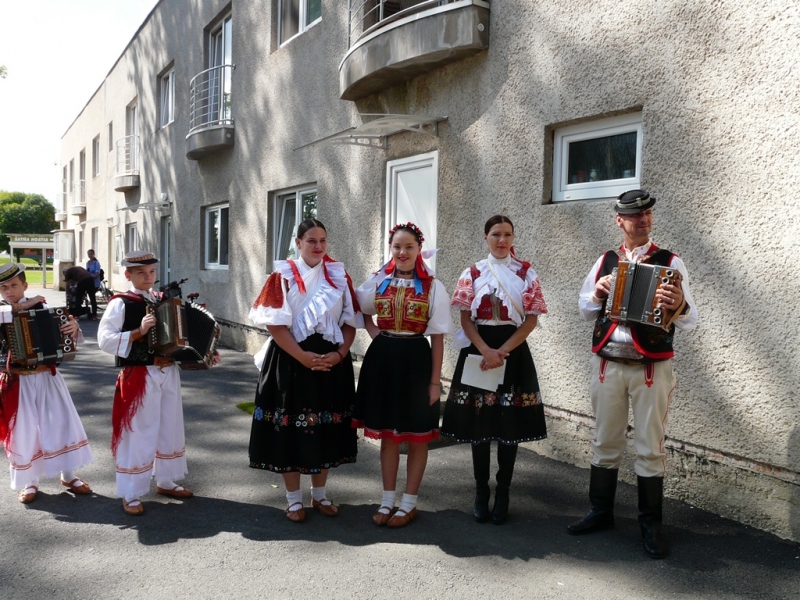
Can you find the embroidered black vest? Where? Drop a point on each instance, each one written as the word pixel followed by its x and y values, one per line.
pixel 653 342
pixel 140 354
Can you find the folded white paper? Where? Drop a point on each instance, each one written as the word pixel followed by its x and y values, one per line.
pixel 486 380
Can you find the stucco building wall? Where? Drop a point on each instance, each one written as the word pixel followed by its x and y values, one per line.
pixel 717 87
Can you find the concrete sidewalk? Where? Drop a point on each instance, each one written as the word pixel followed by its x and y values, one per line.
pixel 232 540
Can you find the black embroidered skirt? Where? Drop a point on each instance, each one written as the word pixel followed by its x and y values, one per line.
pixel 512 414
pixel 393 399
pixel 302 418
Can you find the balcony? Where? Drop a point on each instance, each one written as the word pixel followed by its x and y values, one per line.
pixel 126 172
pixel 60 204
pixel 211 128
pixel 394 41
pixel 77 204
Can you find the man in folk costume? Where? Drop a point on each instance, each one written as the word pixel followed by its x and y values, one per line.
pixel 39 426
pixel 147 417
pixel 631 366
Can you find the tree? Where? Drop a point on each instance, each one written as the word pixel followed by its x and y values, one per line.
pixel 3 71
pixel 24 213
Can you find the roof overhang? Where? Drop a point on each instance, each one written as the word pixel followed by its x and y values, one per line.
pixel 373 132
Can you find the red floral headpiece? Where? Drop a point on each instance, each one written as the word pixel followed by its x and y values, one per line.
pixel 409 226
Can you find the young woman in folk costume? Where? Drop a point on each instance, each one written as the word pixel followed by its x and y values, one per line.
pixel 500 300
pixel 400 381
pixel 306 390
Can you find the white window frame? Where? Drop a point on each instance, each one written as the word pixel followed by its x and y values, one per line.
pixel 563 190
pixel 207 224
pixel 96 156
pixel 302 26
pixel 421 210
pixel 167 97
pixel 131 237
pixel 280 214
pixel 111 136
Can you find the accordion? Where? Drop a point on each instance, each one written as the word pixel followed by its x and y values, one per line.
pixel 633 294
pixel 34 338
pixel 186 332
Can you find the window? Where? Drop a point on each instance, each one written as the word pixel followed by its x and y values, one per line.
pixel 216 237
pixel 296 16
pixel 167 98
pixel 597 159
pixel 95 240
pixel 220 59
pixel 131 237
pixel 111 136
pixel 289 210
pixel 119 249
pixel 80 246
pixel 96 156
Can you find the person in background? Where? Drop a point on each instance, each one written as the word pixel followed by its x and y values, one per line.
pixel 94 268
pixel 84 284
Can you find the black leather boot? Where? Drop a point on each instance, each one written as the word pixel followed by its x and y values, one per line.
pixel 506 458
pixel 480 467
pixel 651 499
pixel 602 489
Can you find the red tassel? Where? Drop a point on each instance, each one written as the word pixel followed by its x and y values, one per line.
pixel 327 259
pixel 9 403
pixel 389 269
pixel 422 272
pixel 128 397
pixel 297 278
pixel 356 305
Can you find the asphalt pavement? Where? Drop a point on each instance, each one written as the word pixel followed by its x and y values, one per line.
pixel 232 540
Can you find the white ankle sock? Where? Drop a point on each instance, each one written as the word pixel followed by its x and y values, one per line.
pixel 408 503
pixel 167 484
pixel 295 500
pixel 68 476
pixel 318 493
pixel 389 498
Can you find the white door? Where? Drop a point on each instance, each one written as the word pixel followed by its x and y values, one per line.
pixel 412 195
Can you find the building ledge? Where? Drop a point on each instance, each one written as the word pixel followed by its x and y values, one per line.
pixel 61 216
pixel 209 140
pixel 413 46
pixel 77 209
pixel 124 183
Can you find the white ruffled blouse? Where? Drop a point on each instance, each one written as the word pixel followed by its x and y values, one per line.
pixel 322 308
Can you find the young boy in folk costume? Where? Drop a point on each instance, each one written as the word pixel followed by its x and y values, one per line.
pixel 39 426
pixel 148 437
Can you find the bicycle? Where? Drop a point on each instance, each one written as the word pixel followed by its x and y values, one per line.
pixel 105 293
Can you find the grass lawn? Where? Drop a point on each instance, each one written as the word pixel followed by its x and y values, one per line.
pixel 33 272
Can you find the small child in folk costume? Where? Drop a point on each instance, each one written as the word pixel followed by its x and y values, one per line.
pixel 500 299
pixel 399 384
pixel 147 417
pixel 306 390
pixel 39 426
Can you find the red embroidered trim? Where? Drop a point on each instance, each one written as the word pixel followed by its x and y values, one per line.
pixel 128 397
pixel 464 294
pixel 601 375
pixel 327 259
pixel 533 299
pixel 356 305
pixel 400 437
pixel 271 295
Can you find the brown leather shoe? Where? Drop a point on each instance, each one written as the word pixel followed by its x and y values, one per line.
pixel 179 491
pixel 296 516
pixel 81 489
pixel 26 496
pixel 329 510
pixel 133 509
pixel 402 518
pixel 380 519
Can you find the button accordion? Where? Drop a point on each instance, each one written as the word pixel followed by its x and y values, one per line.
pixel 633 294
pixel 186 332
pixel 34 338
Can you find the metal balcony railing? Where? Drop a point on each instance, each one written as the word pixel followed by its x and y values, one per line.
pixel 127 155
pixel 78 193
pixel 365 16
pixel 210 98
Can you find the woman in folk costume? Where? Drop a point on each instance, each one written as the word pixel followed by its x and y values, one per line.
pixel 500 300
pixel 399 385
pixel 39 427
pixel 306 390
